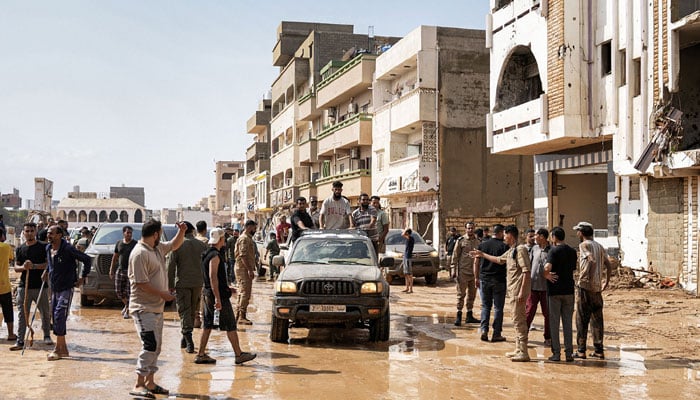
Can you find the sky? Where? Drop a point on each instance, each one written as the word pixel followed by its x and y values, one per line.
pixel 152 93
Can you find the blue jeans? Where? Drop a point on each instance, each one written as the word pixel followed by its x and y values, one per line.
pixel 492 294
pixel 561 307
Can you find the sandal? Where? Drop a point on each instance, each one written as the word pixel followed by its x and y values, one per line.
pixel 53 356
pixel 143 393
pixel 157 389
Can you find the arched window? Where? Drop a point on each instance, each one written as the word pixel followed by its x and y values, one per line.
pixel 92 217
pixel 113 216
pixel 520 80
pixel 124 216
pixel 138 216
pixel 72 216
pixel 62 215
pixel 82 216
pixel 103 216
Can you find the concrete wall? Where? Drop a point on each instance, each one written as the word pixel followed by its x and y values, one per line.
pixel 473 182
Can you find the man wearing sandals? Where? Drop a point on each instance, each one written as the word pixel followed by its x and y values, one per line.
pixel 62 257
pixel 589 305
pixel 149 292
pixel 217 297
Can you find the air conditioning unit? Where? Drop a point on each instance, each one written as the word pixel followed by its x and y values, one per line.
pixel 355 153
pixel 314 176
pixel 332 112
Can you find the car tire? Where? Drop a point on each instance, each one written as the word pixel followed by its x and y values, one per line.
pixel 279 330
pixel 431 279
pixel 86 301
pixel 379 328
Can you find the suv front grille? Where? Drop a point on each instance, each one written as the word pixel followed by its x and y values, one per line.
pixel 328 288
pixel 104 262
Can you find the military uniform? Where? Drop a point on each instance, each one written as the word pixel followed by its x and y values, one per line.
pixel 517 260
pixel 463 267
pixel 245 253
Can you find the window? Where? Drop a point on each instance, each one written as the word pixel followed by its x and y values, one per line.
pixel 634 188
pixel 636 77
pixel 606 59
pixel 413 149
pixel 622 66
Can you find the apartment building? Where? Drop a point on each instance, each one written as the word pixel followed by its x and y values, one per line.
pixel 258 165
pixel 221 203
pixel 431 164
pixel 320 125
pixel 597 91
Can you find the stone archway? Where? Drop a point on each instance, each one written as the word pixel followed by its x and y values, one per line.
pixel 138 216
pixel 82 216
pixel 103 216
pixel 92 217
pixel 72 216
pixel 113 216
pixel 124 216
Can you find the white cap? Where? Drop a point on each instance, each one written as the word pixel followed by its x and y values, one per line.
pixel 215 235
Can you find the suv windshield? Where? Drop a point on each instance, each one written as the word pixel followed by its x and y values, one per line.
pixel 396 238
pixel 332 251
pixel 112 234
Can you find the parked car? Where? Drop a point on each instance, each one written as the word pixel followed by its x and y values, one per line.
pixel 99 286
pixel 331 278
pixel 426 260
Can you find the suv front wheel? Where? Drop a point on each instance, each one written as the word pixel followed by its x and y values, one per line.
pixel 379 328
pixel 279 331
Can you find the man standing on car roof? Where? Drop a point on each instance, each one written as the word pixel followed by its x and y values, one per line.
pixel 335 210
pixel 301 220
pixel 365 218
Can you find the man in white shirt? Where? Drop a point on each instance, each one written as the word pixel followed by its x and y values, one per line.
pixel 335 210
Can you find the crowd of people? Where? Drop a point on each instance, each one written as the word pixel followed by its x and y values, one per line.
pixel 539 272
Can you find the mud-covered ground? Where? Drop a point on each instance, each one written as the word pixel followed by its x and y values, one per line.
pixel 652 345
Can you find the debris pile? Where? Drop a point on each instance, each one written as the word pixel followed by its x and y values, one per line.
pixel 639 278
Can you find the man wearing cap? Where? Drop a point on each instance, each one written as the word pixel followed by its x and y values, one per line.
pixel 245 270
pixel 314 211
pixel 217 296
pixel 185 282
pixel 335 210
pixel 589 306
pixel 231 256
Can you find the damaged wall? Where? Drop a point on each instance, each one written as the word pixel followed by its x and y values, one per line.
pixel 665 228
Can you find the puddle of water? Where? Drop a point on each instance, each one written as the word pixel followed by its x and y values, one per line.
pixel 631 363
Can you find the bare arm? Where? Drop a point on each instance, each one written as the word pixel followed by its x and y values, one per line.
pixel 112 265
pixel 608 271
pixel 180 237
pixel 214 278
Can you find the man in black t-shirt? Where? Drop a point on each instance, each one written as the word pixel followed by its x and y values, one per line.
pixel 490 279
pixel 217 297
pixel 120 267
pixel 559 271
pixel 30 258
pixel 301 220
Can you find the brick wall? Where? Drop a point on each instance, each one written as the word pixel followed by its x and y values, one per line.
pixel 665 228
pixel 555 65
pixel 690 216
pixel 522 220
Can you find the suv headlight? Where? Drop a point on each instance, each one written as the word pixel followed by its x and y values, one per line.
pixel 371 287
pixel 434 253
pixel 285 287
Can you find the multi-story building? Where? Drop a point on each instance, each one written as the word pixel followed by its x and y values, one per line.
pixel 11 200
pixel 135 194
pixel 258 165
pixel 227 173
pixel 431 165
pixel 589 88
pixel 321 129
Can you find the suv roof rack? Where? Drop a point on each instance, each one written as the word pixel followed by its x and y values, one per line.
pixel 307 232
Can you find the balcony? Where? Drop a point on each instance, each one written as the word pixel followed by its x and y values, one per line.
pixel 258 122
pixel 308 151
pixel 292 76
pixel 353 78
pixel 307 107
pixel 258 151
pixel 410 175
pixel 354 183
pixel 284 196
pixel 284 159
pixel 410 110
pixel 307 190
pixel 513 11
pixel 354 131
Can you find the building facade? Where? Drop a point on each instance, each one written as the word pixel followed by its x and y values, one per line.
pixel 431 165
pixel 258 165
pixel 597 91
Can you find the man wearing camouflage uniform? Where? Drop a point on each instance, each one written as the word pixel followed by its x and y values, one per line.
pixel 463 270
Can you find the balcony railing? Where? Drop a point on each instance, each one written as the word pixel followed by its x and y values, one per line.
pixel 345 68
pixel 347 122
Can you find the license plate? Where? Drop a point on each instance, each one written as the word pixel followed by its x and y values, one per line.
pixel 326 308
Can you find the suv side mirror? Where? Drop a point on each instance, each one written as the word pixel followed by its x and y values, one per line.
pixel 278 261
pixel 386 262
pixel 429 242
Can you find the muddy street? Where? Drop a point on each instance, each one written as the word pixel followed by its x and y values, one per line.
pixel 652 347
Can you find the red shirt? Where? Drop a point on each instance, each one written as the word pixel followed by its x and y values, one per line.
pixel 283 232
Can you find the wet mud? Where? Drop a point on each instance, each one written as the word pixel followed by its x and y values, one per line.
pixel 652 345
